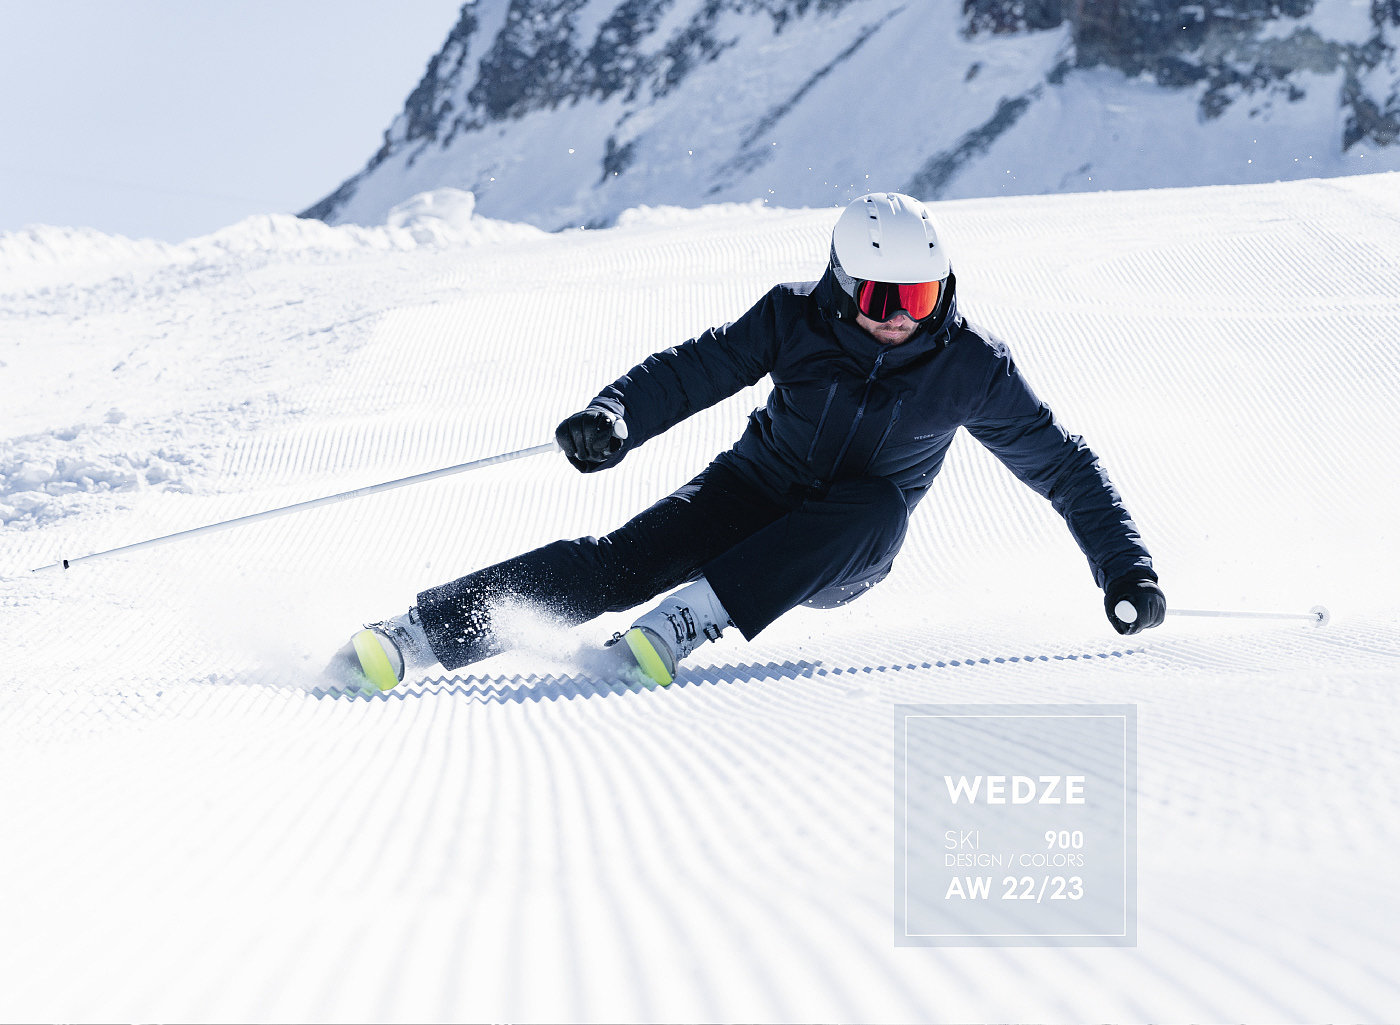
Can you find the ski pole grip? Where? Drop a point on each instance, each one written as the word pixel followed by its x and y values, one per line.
pixel 1126 612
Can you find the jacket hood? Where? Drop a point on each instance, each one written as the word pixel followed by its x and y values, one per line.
pixel 932 335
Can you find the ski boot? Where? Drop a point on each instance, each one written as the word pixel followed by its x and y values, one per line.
pixel 673 629
pixel 378 656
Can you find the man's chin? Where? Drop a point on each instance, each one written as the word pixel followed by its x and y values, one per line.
pixel 887 333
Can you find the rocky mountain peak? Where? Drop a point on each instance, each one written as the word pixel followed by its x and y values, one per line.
pixel 686 101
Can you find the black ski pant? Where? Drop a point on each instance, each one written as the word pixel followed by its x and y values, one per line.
pixel 762 558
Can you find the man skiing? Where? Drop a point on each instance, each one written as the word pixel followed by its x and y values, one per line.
pixel 873 372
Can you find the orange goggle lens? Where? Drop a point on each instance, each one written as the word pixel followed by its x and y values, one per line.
pixel 881 300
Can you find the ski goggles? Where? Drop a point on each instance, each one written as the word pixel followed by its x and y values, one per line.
pixel 881 300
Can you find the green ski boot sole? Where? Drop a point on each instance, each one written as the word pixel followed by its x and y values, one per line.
pixel 649 660
pixel 374 663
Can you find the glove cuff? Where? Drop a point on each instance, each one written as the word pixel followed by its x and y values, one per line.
pixel 1132 582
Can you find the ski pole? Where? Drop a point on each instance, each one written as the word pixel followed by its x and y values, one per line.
pixel 344 496
pixel 1317 615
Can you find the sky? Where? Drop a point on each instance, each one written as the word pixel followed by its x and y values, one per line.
pixel 169 119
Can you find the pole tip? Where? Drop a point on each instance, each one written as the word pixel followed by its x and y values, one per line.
pixel 1323 616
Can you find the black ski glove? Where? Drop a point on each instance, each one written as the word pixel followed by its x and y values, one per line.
pixel 589 438
pixel 1142 593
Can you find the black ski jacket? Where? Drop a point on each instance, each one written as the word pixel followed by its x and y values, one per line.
pixel 844 405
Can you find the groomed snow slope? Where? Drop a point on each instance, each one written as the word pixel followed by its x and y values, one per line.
pixel 192 832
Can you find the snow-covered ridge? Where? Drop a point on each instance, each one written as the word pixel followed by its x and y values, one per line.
pixel 441 218
pixel 44 245
pixel 45 256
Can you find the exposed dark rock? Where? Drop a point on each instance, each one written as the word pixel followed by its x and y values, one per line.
pixel 1367 119
pixel 1005 16
pixel 616 62
pixel 616 159
pixel 324 209
pixel 532 62
pixel 693 45
pixel 772 117
pixel 940 170
pixel 429 104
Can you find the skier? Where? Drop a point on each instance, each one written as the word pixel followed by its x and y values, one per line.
pixel 873 372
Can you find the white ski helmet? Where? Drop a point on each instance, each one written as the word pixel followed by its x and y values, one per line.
pixel 886 237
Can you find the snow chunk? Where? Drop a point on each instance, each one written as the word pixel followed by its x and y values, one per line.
pixel 448 217
pixel 42 475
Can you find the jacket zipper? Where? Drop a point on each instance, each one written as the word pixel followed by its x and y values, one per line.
pixel 821 420
pixel 860 414
pixel 894 419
